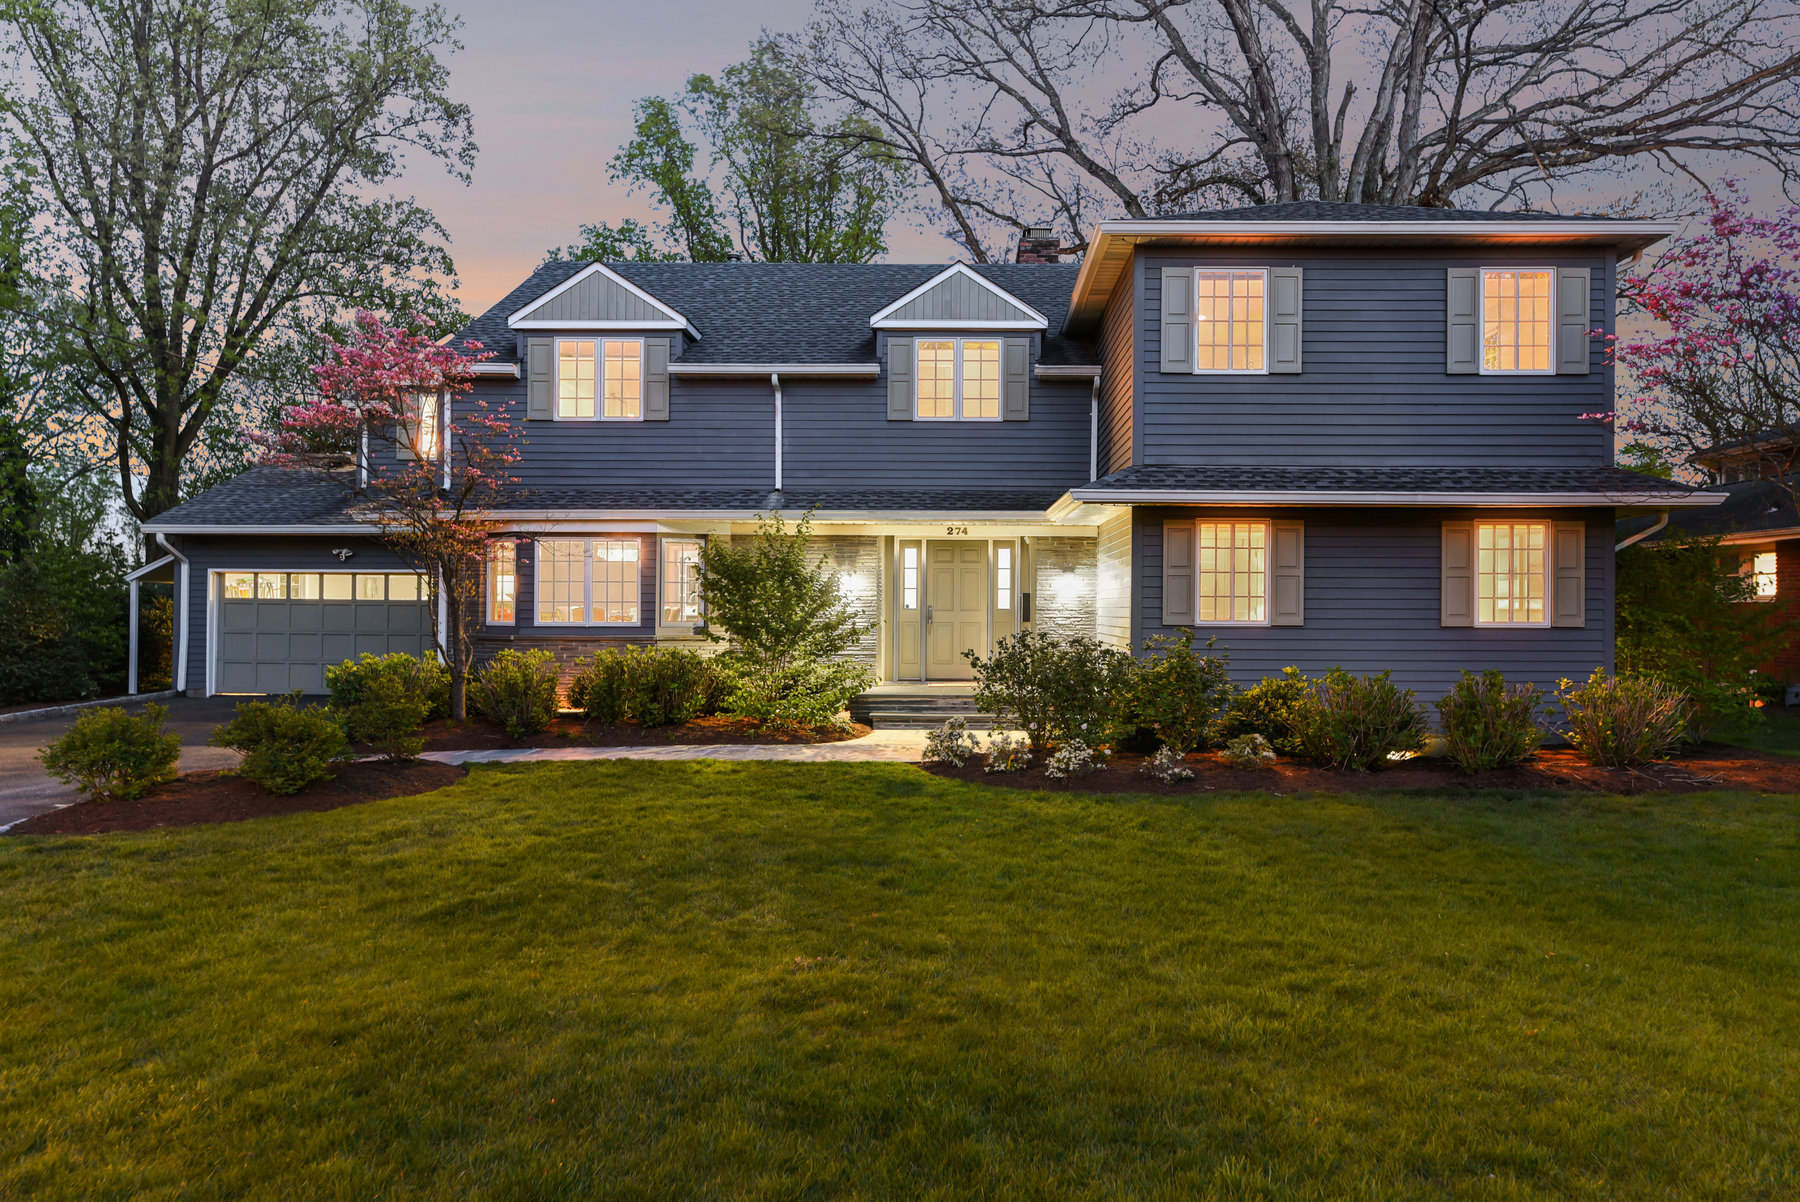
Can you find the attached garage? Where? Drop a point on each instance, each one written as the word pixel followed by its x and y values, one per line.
pixel 277 632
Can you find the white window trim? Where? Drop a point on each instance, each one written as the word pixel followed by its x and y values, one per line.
pixel 489 600
pixel 662 583
pixel 1194 329
pixel 599 340
pixel 1481 274
pixel 1749 572
pixel 957 403
pixel 1268 569
pixel 587 581
pixel 1475 569
pixel 405 449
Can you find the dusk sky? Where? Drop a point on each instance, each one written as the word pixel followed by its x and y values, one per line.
pixel 551 85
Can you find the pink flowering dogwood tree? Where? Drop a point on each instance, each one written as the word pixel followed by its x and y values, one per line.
pixel 422 465
pixel 1722 368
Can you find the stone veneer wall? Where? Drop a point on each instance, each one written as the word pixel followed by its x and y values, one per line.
pixel 1065 613
pixel 858 558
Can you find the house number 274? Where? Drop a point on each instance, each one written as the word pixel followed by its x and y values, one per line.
pixel 956 529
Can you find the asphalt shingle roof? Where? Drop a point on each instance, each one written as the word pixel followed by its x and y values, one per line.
pixel 1749 506
pixel 265 496
pixel 790 312
pixel 1602 481
pixel 1322 210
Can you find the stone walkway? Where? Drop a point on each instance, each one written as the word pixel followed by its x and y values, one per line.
pixel 900 745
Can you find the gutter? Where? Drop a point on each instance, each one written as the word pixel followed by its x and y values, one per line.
pixel 1662 519
pixel 1100 496
pixel 181 614
pixel 833 370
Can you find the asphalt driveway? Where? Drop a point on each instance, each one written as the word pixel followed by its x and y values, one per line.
pixel 25 789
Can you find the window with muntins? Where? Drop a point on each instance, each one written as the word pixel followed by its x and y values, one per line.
pixel 1511 573
pixel 1231 312
pixel 587 582
pixel 1516 319
pixel 909 578
pixel 1763 576
pixel 1231 572
pixel 680 581
pixel 503 582
pixel 1003 577
pixel 574 379
pixel 958 379
pixel 323 586
pixel 624 380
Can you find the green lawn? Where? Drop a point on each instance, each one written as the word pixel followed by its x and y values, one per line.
pixel 1779 731
pixel 705 980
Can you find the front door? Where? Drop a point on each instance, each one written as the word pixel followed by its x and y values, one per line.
pixel 956 607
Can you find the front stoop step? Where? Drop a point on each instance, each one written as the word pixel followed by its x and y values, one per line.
pixel 899 711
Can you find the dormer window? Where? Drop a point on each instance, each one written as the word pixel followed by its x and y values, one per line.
pixel 600 379
pixel 958 380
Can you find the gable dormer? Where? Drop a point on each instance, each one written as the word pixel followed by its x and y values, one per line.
pixel 958 299
pixel 598 298
pixel 959 349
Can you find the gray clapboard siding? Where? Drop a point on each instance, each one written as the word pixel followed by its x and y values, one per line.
pixel 1374 390
pixel 1372 603
pixel 959 298
pixel 1116 383
pixel 597 298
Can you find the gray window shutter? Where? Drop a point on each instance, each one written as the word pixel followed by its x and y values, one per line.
pixel 1288 606
pixel 1177 319
pixel 1568 574
pixel 900 379
pixel 1457 589
pixel 1016 368
pixel 1178 574
pixel 1572 321
pixel 1284 320
pixel 1462 315
pixel 656 379
pixel 540 377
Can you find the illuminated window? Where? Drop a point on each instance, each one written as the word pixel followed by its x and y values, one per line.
pixel 371 588
pixel 1762 572
pixel 680 581
pixel 271 586
pixel 1510 573
pixel 1231 578
pixel 909 578
pixel 574 378
pixel 1003 577
pixel 336 586
pixel 419 432
pixel 624 392
pixel 503 582
pixel 1515 320
pixel 1230 320
pixel 404 588
pixel 239 586
pixel 587 583
pixel 304 586
pixel 958 379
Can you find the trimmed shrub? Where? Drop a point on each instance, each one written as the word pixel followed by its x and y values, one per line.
pixel 803 695
pixel 1357 722
pixel 653 686
pixel 1267 709
pixel 385 699
pixel 951 744
pixel 1053 689
pixel 1619 721
pixel 1168 766
pixel 1176 692
pixel 111 755
pixel 1489 724
pixel 286 746
pixel 1007 753
pixel 516 689
pixel 1249 751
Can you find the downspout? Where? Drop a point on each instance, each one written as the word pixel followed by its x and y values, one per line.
pixel 1662 519
pixel 181 615
pixel 1094 433
pixel 775 383
pixel 131 651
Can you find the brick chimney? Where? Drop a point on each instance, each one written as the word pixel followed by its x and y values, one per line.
pixel 1038 244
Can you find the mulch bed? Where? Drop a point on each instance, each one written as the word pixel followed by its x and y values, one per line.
pixel 221 797
pixel 1709 766
pixel 479 735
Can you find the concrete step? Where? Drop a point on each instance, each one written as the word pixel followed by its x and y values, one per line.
pixel 895 710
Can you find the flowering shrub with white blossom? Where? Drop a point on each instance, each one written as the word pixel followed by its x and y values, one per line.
pixel 1167 765
pixel 1008 753
pixel 1073 758
pixel 951 744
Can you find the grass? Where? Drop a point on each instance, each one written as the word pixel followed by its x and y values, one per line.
pixel 781 981
pixel 1779 732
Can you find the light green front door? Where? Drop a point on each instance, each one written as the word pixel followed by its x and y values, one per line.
pixel 956 613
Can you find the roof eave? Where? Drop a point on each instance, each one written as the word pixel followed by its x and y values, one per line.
pixel 1311 497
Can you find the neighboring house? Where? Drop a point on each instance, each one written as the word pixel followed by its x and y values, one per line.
pixel 1324 434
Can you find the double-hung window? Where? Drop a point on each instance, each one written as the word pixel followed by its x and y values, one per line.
pixel 419 435
pixel 600 379
pixel 503 582
pixel 680 581
pixel 1231 572
pixel 1517 325
pixel 1760 568
pixel 1511 573
pixel 587 582
pixel 958 380
pixel 1231 320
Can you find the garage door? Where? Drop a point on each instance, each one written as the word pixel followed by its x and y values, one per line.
pixel 279 631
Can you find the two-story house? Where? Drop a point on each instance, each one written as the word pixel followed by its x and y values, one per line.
pixel 1325 434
